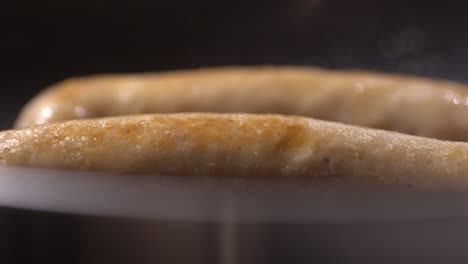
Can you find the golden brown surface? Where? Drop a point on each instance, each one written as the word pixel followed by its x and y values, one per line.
pixel 238 145
pixel 411 105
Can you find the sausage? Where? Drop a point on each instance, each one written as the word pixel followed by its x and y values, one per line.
pixel 238 145
pixel 418 106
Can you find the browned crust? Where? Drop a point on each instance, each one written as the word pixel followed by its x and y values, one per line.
pixel 231 145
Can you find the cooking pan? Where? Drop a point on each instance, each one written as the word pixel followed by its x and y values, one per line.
pixel 78 217
pixel 147 219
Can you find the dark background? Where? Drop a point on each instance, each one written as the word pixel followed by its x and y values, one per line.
pixel 42 42
pixel 46 41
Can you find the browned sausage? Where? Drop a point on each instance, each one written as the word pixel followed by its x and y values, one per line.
pixel 411 105
pixel 238 145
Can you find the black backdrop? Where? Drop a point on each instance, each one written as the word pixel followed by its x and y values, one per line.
pixel 45 41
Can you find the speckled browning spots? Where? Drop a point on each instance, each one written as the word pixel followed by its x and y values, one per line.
pixel 293 137
pixel 202 144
